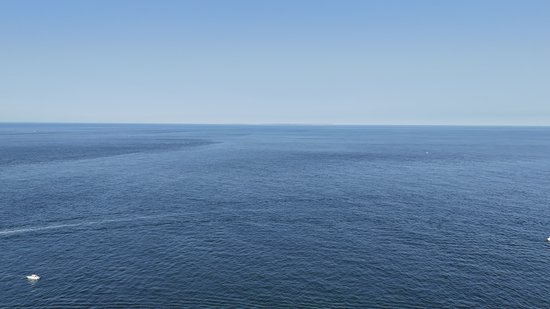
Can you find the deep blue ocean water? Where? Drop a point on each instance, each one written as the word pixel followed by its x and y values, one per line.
pixel 274 216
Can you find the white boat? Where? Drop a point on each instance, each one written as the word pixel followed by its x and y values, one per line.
pixel 548 238
pixel 33 277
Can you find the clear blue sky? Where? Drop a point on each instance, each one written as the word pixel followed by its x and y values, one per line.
pixel 258 61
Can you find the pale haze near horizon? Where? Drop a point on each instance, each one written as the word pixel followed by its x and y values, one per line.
pixel 311 62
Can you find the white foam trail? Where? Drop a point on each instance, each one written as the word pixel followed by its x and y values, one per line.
pixel 69 225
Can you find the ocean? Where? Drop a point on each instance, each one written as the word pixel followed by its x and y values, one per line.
pixel 127 216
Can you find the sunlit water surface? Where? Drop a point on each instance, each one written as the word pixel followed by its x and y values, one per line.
pixel 274 216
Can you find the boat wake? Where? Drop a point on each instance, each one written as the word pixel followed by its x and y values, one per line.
pixel 22 230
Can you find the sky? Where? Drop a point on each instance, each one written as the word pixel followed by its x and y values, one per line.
pixel 471 62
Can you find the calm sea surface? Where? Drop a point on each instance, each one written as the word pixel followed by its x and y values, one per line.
pixel 274 216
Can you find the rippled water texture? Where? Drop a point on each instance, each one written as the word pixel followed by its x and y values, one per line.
pixel 274 216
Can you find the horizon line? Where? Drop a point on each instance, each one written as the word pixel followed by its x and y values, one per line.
pixel 277 124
